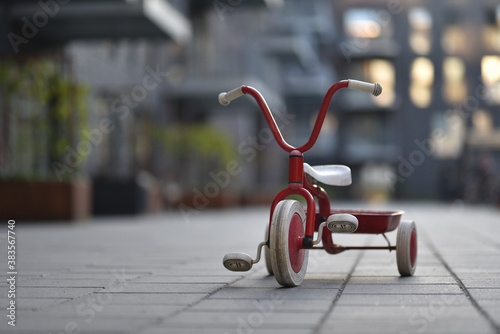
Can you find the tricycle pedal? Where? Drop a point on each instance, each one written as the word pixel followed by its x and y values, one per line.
pixel 237 262
pixel 342 223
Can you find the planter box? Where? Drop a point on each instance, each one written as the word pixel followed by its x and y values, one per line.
pixel 21 200
pixel 124 197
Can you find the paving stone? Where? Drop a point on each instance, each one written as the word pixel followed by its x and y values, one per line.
pixel 95 309
pixel 249 305
pixel 187 279
pixel 51 292
pixel 163 330
pixel 395 280
pixel 284 293
pixel 33 303
pixel 155 299
pixel 133 287
pixel 380 289
pixel 402 299
pixel 254 319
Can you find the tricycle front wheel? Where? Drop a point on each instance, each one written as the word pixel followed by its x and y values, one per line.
pixel 406 248
pixel 288 257
pixel 267 253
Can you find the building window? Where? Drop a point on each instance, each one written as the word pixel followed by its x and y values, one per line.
pixel 447 135
pixel 454 86
pixel 491 30
pixel 382 71
pixel 365 23
pixel 422 78
pixel 420 39
pixel 490 73
pixel 482 122
pixel 454 36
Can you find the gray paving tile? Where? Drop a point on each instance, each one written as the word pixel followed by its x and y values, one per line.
pixel 33 303
pixel 250 305
pixel 133 287
pixel 254 319
pixel 172 278
pixel 393 280
pixel 403 326
pixel 94 309
pixel 156 299
pixel 288 294
pixel 52 292
pixel 160 330
pixel 380 289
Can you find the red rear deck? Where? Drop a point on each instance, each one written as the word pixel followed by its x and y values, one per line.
pixel 374 222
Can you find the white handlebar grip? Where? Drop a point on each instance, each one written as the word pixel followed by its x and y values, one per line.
pixel 225 98
pixel 375 89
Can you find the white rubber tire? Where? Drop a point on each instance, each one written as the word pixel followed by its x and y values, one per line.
pixel 286 213
pixel 267 253
pixel 406 248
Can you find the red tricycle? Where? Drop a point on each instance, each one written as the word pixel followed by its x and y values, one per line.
pixel 290 234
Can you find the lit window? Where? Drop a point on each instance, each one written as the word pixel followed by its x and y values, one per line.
pixel 490 73
pixel 422 78
pixel 454 87
pixel 454 40
pixel 382 71
pixel 365 23
pixel 420 21
pixel 491 30
pixel 482 121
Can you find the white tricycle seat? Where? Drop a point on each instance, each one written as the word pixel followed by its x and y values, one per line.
pixel 333 175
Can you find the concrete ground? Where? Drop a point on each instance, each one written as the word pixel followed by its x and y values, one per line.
pixel 164 274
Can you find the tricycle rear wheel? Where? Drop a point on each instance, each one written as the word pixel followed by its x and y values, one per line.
pixel 406 248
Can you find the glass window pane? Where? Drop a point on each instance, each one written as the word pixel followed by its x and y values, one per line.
pixel 365 23
pixel 420 39
pixel 454 86
pixel 490 73
pixel 422 78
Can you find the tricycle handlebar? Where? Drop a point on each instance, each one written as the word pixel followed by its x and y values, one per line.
pixel 226 97
pixel 374 88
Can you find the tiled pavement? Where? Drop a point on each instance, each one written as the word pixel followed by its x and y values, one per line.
pixel 163 274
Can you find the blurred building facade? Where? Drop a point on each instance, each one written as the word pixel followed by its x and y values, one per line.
pixel 433 133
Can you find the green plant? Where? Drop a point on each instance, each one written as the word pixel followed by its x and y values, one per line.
pixel 194 146
pixel 42 113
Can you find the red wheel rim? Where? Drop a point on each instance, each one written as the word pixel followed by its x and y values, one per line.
pixel 413 248
pixel 295 235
